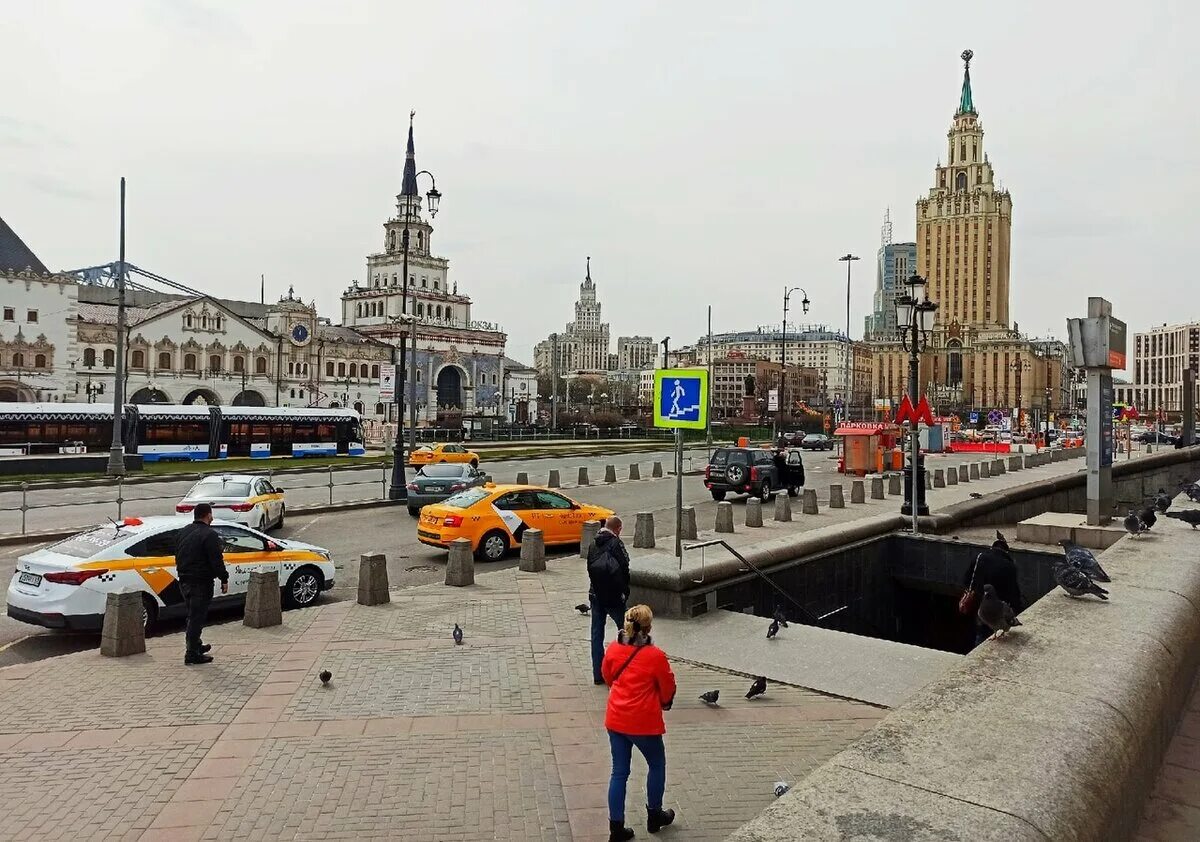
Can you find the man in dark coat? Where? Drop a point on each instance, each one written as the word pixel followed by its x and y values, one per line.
pixel 199 559
pixel 995 567
pixel 608 572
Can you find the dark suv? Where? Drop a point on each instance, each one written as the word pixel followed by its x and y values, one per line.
pixel 754 471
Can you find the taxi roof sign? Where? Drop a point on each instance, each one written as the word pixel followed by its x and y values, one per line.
pixel 681 398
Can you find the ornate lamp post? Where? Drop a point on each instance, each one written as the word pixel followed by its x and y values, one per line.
pixel 914 316
pixel 804 302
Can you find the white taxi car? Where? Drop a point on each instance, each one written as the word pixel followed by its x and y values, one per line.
pixel 65 585
pixel 243 498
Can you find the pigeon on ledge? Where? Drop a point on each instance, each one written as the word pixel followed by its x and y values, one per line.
pixel 1192 490
pixel 1163 501
pixel 780 618
pixel 995 613
pixel 1074 581
pixel 709 697
pixel 1133 524
pixel 1147 517
pixel 772 629
pixel 758 688
pixel 1082 558
pixel 1188 516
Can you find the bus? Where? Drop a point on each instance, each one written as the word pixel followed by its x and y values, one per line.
pixel 166 432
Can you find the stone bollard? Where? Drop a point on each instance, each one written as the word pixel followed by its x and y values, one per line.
pixel 124 631
pixel 264 603
pixel 583 477
pixel 973 470
pixel 460 568
pixel 928 478
pixel 553 481
pixel 951 476
pixel 836 500
pixel 939 478
pixel 858 491
pixel 657 470
pixel 1014 463
pixel 809 502
pixel 610 473
pixel 522 478
pixel 1030 462
pixel 783 508
pixel 689 523
pixel 963 474
pixel 876 488
pixel 373 579
pixel 588 536
pixel 533 551
pixel 998 467
pixel 643 531
pixel 985 470
pixel 754 512
pixel 635 472
pixel 895 484
pixel 724 517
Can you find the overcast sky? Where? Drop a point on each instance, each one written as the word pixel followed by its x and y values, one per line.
pixel 700 152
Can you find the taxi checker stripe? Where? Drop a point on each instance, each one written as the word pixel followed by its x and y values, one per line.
pixel 164 584
pixel 230 558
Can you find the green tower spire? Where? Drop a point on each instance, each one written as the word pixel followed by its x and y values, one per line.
pixel 965 104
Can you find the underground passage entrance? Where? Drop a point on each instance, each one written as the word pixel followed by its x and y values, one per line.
pixel 897 588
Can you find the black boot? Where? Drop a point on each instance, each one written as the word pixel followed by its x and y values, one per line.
pixel 656 820
pixel 196 658
pixel 618 832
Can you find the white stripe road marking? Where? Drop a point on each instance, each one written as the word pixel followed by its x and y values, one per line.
pixel 310 523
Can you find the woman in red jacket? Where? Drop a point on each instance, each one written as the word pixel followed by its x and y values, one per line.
pixel 641 686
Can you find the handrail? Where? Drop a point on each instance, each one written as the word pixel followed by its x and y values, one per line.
pixel 811 618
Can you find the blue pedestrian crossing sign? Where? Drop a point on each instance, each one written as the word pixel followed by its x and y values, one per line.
pixel 681 398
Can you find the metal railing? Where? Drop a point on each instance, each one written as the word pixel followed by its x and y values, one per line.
pixel 809 617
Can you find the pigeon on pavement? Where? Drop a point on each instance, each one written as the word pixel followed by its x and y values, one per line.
pixel 1163 501
pixel 781 789
pixel 458 635
pixel 1082 558
pixel 1192 490
pixel 995 613
pixel 1189 516
pixel 325 675
pixel 583 608
pixel 1133 524
pixel 780 617
pixel 709 697
pixel 758 688
pixel 1074 581
pixel 975 495
pixel 1147 517
pixel 772 629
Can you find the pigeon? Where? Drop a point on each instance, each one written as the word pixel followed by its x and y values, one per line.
pixel 773 629
pixel 1074 581
pixel 1192 490
pixel 457 635
pixel 1000 541
pixel 1147 517
pixel 325 675
pixel 709 697
pixel 1133 524
pixel 780 618
pixel 975 495
pixel 1189 516
pixel 1163 501
pixel 781 788
pixel 758 688
pixel 583 608
pixel 995 613
pixel 1082 558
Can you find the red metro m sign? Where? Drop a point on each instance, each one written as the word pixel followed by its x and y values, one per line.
pixel 921 412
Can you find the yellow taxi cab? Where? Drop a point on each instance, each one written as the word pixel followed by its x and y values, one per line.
pixel 494 517
pixel 431 454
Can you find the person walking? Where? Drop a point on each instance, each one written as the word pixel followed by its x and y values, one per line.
pixel 198 561
pixel 994 566
pixel 608 572
pixel 641 686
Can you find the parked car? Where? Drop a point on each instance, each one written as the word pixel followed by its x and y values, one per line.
pixel 434 454
pixel 817 441
pixel 754 471
pixel 1154 437
pixel 434 483
pixel 243 498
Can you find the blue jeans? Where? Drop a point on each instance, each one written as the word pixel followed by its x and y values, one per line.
pixel 656 781
pixel 600 613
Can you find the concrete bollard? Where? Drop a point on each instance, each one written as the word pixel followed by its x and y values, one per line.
pixel 643 531
pixel 724 517
pixel 876 488
pixel 583 477
pixel 610 473
pixel 657 471
pixel 836 500
pixel 588 536
pixel 895 484
pixel 689 524
pixel 264 602
pixel 1014 463
pixel 460 568
pixel 928 478
pixel 522 478
pixel 533 551
pixel 973 470
pixel 754 512
pixel 553 481
pixel 124 631
pixel 635 472
pixel 963 474
pixel 373 579
pixel 858 491
pixel 939 478
pixel 809 502
pixel 997 467
pixel 951 476
pixel 783 508
pixel 985 470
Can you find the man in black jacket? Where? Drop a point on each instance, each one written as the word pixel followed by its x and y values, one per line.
pixel 608 570
pixel 198 561
pixel 995 567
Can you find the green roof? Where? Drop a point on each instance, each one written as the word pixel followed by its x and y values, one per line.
pixel 965 104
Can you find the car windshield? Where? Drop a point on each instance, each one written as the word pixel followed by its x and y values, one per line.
pixel 217 487
pixel 466 499
pixel 90 543
pixel 441 471
pixel 814 437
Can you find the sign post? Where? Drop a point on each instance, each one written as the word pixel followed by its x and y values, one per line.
pixel 1098 345
pixel 680 403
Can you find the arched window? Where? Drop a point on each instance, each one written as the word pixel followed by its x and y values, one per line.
pixel 420 309
pixel 960 182
pixel 189 362
pixel 214 362
pixel 204 322
pixel 137 359
pixel 341 369
pixel 358 311
pixel 358 407
pixel 436 285
pixel 395 279
pixel 39 361
pixel 391 241
pixel 363 371
pixel 187 320
pixel 164 359
pixel 954 362
pixel 375 371
pixel 328 368
pixel 18 360
pixel 439 310
pixel 260 365
pixel 110 357
pixel 379 409
pixel 291 368
pixel 293 393
pixel 239 364
pixel 89 357
pixel 220 321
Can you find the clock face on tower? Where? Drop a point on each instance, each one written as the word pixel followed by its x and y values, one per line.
pixel 299 334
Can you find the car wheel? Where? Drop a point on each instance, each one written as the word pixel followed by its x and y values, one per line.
pixel 303 587
pixel 415 511
pixel 492 546
pixel 736 474
pixel 279 523
pixel 149 613
pixel 718 495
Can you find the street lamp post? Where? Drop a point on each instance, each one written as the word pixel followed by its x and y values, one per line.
pixel 804 302
pixel 116 454
pixel 914 316
pixel 847 386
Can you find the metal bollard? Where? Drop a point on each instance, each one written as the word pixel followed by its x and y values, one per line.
pixel 120 497
pixel 25 505
pixel 383 492
pixel 331 485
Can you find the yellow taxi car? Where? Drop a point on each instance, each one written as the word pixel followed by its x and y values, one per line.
pixel 493 518
pixel 432 454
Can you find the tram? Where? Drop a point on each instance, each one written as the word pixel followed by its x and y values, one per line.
pixel 166 432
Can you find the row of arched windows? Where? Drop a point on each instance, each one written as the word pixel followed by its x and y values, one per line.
pixel 217 322
pixel 352 370
pixel 18 360
pixel 166 362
